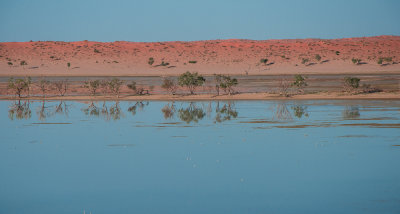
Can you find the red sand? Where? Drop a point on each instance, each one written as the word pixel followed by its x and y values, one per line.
pixel 217 56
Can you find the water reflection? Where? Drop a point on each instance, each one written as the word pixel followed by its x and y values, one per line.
pixel 191 114
pixel 188 112
pixel 113 112
pixel 351 112
pixel 168 110
pixel 227 112
pixel 19 110
pixel 138 106
pixel 282 112
pixel 300 111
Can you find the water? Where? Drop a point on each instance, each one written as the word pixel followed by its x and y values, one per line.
pixel 200 157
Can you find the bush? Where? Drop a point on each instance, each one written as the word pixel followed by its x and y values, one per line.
pixel 264 61
pixel 384 59
pixel 23 63
pixel 305 60
pixel 356 61
pixel 193 62
pixel 151 61
pixel 191 81
pixel 318 57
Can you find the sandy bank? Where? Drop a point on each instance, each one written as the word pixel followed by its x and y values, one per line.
pixel 243 96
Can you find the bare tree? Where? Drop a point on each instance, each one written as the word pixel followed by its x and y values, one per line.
pixel 61 86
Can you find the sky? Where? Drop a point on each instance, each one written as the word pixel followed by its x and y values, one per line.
pixel 180 20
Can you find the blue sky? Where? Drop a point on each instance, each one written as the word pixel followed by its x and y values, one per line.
pixel 161 20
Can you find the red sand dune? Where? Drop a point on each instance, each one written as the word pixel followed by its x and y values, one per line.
pixel 237 57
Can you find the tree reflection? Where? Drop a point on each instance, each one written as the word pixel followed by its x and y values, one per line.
pixel 91 110
pixel 19 110
pixel 43 111
pixel 62 108
pixel 115 111
pixel 351 112
pixel 168 110
pixel 300 111
pixel 191 113
pixel 225 113
pixel 282 112
pixel 138 106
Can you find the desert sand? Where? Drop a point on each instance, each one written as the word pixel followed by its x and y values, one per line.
pixel 235 57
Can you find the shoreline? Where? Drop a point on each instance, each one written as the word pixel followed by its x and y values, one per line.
pixel 204 97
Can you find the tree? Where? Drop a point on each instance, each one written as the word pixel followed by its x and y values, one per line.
pixel 44 86
pixel 68 65
pixel 191 81
pixel 227 84
pixel 169 85
pixel 19 85
pixel 318 57
pixel 115 86
pixel 284 86
pixel 218 81
pixel 10 64
pixel 299 82
pixel 356 61
pixel 61 86
pixel 92 86
pixel 23 63
pixel 351 83
pixel 104 87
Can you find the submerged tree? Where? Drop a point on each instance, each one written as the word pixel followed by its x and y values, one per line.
pixel 191 81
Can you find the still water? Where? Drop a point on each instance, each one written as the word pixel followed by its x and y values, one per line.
pixel 200 157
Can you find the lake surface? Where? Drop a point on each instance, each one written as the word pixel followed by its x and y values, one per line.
pixel 200 157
